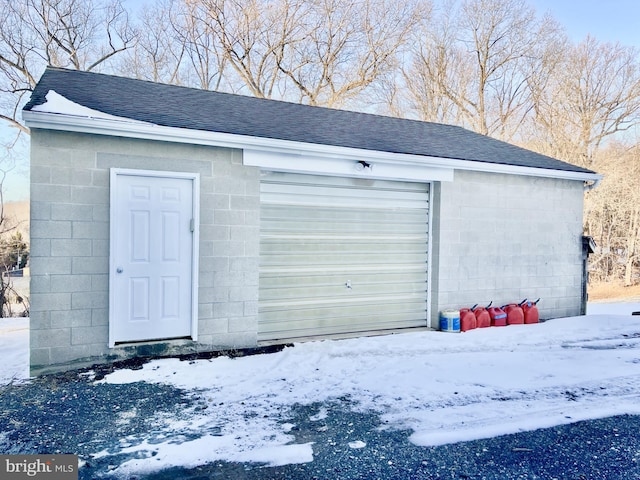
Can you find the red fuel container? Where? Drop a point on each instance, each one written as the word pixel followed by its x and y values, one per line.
pixel 483 319
pixel 467 320
pixel 531 314
pixel 498 317
pixel 515 315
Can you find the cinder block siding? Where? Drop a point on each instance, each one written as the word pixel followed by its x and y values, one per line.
pixel 503 238
pixel 496 237
pixel 70 245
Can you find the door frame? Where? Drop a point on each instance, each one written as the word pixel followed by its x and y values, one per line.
pixel 114 173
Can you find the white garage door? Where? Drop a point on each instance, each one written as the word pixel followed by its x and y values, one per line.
pixel 341 256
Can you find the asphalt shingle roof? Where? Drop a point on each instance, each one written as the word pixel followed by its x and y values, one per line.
pixel 190 108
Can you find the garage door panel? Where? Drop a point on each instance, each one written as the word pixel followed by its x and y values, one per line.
pixel 372 247
pixel 343 215
pixel 322 235
pixel 337 290
pixel 354 259
pixel 300 326
pixel 282 279
pixel 364 198
pixel 350 228
pixel 337 252
pixel 328 311
pixel 346 213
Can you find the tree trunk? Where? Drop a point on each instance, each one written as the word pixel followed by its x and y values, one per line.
pixel 634 231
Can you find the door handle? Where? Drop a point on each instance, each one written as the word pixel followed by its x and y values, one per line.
pixel 119 270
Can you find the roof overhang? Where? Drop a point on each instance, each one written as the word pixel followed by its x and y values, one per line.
pixel 286 155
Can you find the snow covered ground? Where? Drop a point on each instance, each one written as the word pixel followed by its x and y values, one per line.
pixel 14 349
pixel 445 387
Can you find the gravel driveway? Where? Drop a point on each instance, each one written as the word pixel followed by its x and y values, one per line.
pixel 70 413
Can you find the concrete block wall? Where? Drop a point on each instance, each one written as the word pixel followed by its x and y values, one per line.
pixel 70 245
pixel 503 238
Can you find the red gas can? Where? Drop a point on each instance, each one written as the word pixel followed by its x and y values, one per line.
pixel 498 317
pixel 467 320
pixel 515 315
pixel 530 311
pixel 483 319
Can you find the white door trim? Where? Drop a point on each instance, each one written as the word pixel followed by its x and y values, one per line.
pixel 195 178
pixel 430 324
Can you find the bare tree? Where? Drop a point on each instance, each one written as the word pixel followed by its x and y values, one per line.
pixel 12 246
pixel 613 215
pixel 320 52
pixel 158 54
pixel 250 33
pixel 592 94
pixel 473 65
pixel 78 34
pixel 348 46
pixel 176 45
pixel 203 51
pixel 438 70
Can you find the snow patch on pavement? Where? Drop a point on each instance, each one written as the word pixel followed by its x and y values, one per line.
pixel 152 457
pixel 445 387
pixel 357 444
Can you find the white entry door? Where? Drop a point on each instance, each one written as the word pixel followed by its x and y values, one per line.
pixel 153 223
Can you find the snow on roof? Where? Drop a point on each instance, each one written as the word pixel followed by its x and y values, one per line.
pixel 56 103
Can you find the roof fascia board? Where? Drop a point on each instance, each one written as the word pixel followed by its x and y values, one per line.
pixel 136 129
pixel 344 166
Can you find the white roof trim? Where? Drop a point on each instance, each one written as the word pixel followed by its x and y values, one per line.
pixel 117 126
pixel 345 166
